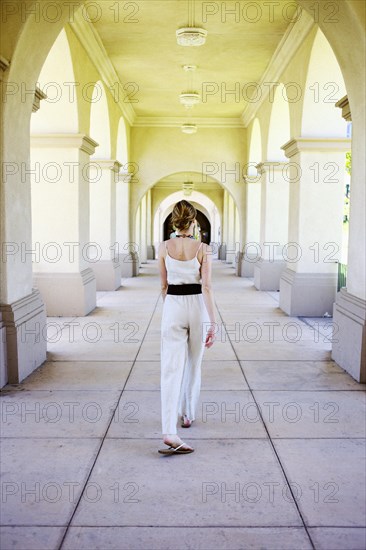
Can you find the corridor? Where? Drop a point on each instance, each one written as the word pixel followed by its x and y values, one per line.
pixel 279 435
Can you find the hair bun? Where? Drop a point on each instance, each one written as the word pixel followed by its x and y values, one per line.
pixel 184 213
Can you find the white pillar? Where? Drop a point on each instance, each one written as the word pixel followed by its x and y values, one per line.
pixel 103 180
pixel 22 310
pixel 149 223
pixel 224 228
pixel 125 246
pixel 252 225
pixel 231 244
pixel 273 224
pixel 143 230
pixel 309 283
pixel 349 311
pixel 60 223
pixel 138 234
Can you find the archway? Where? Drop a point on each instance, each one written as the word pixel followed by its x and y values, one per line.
pixel 122 144
pixel 60 192
pixel 317 162
pixel 201 202
pixel 274 202
pixel 203 222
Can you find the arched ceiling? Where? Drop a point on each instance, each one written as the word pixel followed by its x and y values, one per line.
pixel 139 39
pixel 200 182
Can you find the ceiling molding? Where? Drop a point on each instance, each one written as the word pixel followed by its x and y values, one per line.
pixel 175 122
pixel 93 45
pixel 294 36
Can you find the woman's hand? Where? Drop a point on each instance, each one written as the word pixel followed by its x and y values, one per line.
pixel 210 337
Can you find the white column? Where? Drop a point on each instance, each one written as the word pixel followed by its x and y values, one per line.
pixel 103 180
pixel 309 283
pixel 149 222
pixel 22 311
pixel 143 230
pixel 250 253
pixel 231 244
pixel 60 223
pixel 125 247
pixel 138 234
pixel 224 228
pixel 273 224
pixel 349 311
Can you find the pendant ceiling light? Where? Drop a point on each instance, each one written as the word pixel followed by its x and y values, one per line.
pixel 189 128
pixel 189 99
pixel 191 35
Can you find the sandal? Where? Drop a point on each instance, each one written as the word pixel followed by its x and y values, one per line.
pixel 175 450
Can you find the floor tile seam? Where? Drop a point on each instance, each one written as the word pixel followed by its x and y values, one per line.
pixel 287 361
pixel 106 430
pixel 274 450
pixel 149 438
pixel 314 390
pixel 154 526
pixel 87 361
pixel 109 526
pixel 213 526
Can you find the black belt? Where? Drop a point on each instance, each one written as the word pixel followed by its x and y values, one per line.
pixel 184 289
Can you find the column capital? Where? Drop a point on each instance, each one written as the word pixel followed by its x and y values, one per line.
pixel 38 96
pixel 124 176
pixel 251 179
pixel 315 144
pixel 270 165
pixel 58 141
pixel 4 65
pixel 108 164
pixel 346 110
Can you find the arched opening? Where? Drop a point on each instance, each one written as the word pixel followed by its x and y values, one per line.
pixel 320 119
pixel 255 149
pixel 122 145
pixel 324 87
pixel 253 193
pixel 279 125
pixel 99 121
pixel 59 191
pixel 208 217
pixel 274 202
pixel 203 223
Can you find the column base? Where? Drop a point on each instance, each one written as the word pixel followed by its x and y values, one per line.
pixel 127 262
pixel 26 336
pixel 222 252
pixel 307 294
pixel 230 258
pixel 3 354
pixel 150 252
pixel 238 260
pixel 107 274
pixel 246 265
pixel 67 294
pixel 349 345
pixel 267 274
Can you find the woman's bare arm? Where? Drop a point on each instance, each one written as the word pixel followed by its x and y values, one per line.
pixel 206 270
pixel 162 270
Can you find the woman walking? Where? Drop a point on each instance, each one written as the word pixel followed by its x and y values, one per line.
pixel 187 325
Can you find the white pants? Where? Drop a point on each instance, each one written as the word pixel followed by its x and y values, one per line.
pixel 183 333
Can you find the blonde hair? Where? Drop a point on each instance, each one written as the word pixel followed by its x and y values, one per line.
pixel 184 213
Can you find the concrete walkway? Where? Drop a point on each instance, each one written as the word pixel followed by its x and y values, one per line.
pixel 279 437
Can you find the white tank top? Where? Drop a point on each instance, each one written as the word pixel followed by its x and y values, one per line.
pixel 181 272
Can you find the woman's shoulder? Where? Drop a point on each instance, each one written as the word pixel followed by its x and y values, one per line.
pixel 162 247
